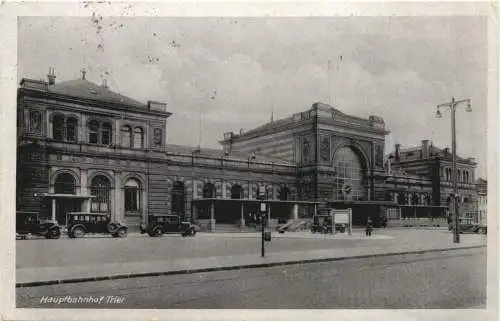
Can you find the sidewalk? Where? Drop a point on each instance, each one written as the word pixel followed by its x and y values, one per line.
pixel 106 271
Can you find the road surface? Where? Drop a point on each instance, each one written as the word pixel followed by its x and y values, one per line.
pixel 444 280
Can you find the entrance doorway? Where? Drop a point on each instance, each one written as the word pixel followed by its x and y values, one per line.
pixel 65 205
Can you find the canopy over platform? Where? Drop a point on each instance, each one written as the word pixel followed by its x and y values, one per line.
pixel 251 200
pixel 73 196
pixel 347 202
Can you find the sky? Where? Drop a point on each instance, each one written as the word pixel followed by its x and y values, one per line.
pixel 236 72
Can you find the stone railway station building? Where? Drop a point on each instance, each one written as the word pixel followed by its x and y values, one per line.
pixel 83 147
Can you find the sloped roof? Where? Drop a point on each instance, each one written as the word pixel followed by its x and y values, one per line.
pixel 83 88
pixel 218 153
pixel 414 153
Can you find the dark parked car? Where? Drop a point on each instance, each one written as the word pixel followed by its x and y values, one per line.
pixel 80 223
pixel 172 224
pixel 29 223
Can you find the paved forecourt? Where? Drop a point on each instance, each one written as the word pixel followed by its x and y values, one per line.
pixel 68 260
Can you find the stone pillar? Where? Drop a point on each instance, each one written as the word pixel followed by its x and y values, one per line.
pixel 212 216
pixel 117 205
pixel 242 217
pixel 53 209
pixel 194 214
pixel 315 208
pixel 295 212
pixel 223 186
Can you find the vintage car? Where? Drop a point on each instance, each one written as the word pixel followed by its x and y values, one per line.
pixel 29 223
pixel 171 224
pixel 80 223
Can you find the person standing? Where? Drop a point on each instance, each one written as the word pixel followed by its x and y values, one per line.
pixel 369 227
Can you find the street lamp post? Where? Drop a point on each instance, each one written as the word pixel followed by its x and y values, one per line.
pixel 453 105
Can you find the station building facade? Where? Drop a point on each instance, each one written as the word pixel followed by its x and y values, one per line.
pixel 83 147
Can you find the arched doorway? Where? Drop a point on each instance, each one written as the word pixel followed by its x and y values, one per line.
pixel 208 190
pixel 236 191
pixel 132 197
pixel 100 188
pixel 178 199
pixel 65 184
pixel 350 182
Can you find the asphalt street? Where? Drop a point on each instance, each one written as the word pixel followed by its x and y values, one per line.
pixel 96 250
pixel 444 280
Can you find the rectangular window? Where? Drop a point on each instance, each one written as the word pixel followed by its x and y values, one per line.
pixel 93 138
pixel 35 122
pixel 157 139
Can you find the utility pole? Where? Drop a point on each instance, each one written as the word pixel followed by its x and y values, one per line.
pixel 453 105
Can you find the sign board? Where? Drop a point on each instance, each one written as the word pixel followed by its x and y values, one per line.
pixel 341 216
pixel 262 207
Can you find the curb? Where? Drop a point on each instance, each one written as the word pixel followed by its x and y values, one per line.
pixel 227 268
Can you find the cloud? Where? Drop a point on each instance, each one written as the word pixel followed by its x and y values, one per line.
pixel 238 70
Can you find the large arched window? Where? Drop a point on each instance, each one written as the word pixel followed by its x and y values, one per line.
pixel 236 191
pixel 71 129
pixel 138 137
pixel 178 198
pixel 127 136
pixel 100 188
pixel 208 190
pixel 349 180
pixel 132 197
pixel 64 184
pixel 58 127
pixel 106 134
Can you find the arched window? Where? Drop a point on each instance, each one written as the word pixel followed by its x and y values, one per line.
pixel 106 134
pixel 71 129
pixel 100 187
pixel 138 137
pixel 64 184
pixel 236 192
pixel 94 132
pixel 127 136
pixel 209 190
pixel 58 127
pixel 35 125
pixel 132 196
pixel 178 198
pixel 349 180
pixel 283 193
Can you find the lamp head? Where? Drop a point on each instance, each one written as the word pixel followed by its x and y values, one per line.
pixel 469 108
pixel 438 114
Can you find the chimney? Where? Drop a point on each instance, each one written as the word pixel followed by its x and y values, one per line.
pixel 51 76
pixel 425 149
pixel 398 152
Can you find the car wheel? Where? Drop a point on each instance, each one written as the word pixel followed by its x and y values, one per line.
pixel 122 232
pixel 78 232
pixel 55 234
pixel 193 232
pixel 157 232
